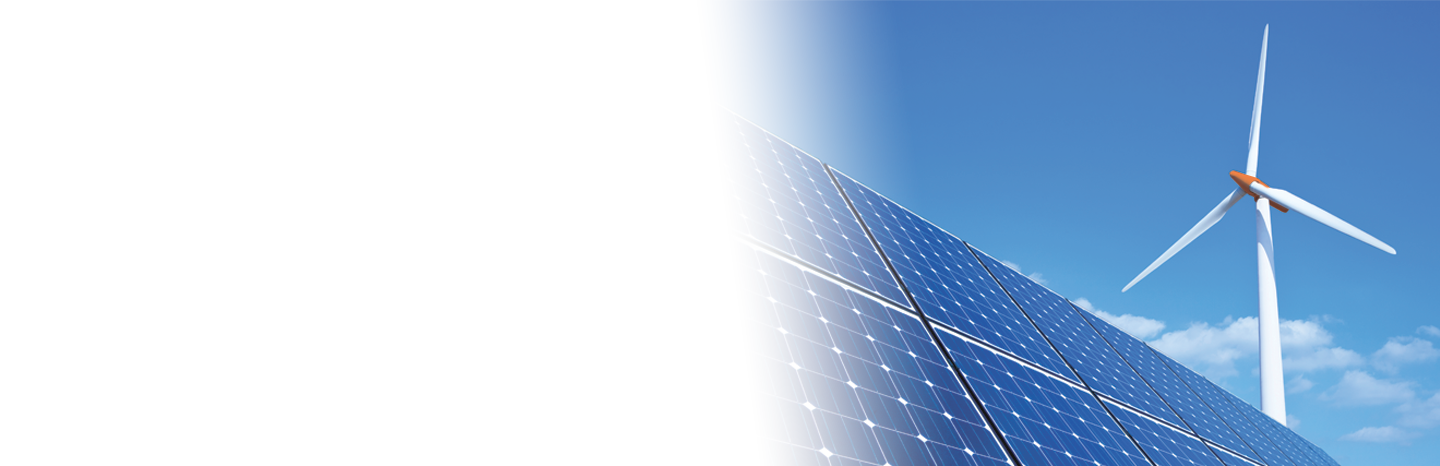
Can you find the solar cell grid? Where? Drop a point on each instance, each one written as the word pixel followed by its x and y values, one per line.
pixel 1231 460
pixel 948 283
pixel 1164 445
pixel 1285 439
pixel 787 201
pixel 857 382
pixel 1217 399
pixel 1176 394
pixel 1319 452
pixel 1088 353
pixel 1045 421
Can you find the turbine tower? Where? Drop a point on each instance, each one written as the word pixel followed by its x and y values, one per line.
pixel 1272 380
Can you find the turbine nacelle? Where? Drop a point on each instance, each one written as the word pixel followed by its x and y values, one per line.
pixel 1246 180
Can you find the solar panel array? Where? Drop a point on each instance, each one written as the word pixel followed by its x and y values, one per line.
pixel 886 340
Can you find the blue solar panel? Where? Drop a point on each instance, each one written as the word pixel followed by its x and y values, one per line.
pixel 787 201
pixel 1165 446
pixel 1292 445
pixel 1088 353
pixel 1045 421
pixel 1176 394
pixel 858 382
pixel 1218 401
pixel 1230 459
pixel 1319 452
pixel 946 280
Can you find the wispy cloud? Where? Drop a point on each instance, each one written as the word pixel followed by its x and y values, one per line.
pixel 1359 388
pixel 1298 384
pixel 1292 422
pixel 1214 349
pixel 1420 413
pixel 1320 358
pixel 1387 434
pixel 1037 276
pixel 1140 327
pixel 1430 330
pixel 1211 349
pixel 1403 350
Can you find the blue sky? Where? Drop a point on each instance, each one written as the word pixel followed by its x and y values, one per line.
pixel 1079 140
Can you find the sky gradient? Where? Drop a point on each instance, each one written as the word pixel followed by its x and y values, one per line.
pixel 1079 140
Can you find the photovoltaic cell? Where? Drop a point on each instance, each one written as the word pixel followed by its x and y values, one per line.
pixel 1218 401
pixel 1297 449
pixel 1165 446
pixel 1319 452
pixel 858 382
pixel 1176 394
pixel 946 280
pixel 1044 420
pixel 1230 459
pixel 787 201
pixel 1083 348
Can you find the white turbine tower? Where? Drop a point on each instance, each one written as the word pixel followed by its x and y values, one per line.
pixel 1272 381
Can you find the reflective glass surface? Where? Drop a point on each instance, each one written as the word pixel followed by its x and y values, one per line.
pixel 1297 449
pixel 786 200
pixel 1218 401
pixel 857 382
pixel 1083 348
pixel 950 285
pixel 1045 421
pixel 1165 446
pixel 1201 420
pixel 1230 459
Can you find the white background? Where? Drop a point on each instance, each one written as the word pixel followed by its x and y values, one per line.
pixel 358 233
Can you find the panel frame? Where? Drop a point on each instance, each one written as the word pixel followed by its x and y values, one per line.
pixel 866 266
pixel 812 273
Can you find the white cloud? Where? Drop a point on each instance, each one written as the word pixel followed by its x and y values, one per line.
pixel 1403 350
pixel 1292 422
pixel 1358 388
pixel 1137 326
pixel 1213 349
pixel 1320 358
pixel 1428 330
pixel 1209 349
pixel 1298 384
pixel 1037 276
pixel 1387 434
pixel 1420 413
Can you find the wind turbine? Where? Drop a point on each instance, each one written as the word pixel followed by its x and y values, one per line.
pixel 1272 380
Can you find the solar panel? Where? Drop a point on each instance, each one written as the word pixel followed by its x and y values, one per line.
pixel 1176 394
pixel 951 287
pixel 858 382
pixel 855 377
pixel 1319 452
pixel 1281 436
pixel 1164 445
pixel 1231 459
pixel 1044 420
pixel 1218 401
pixel 1083 348
pixel 787 201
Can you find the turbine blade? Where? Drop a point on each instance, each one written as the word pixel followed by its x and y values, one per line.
pixel 1253 160
pixel 1307 209
pixel 1205 223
